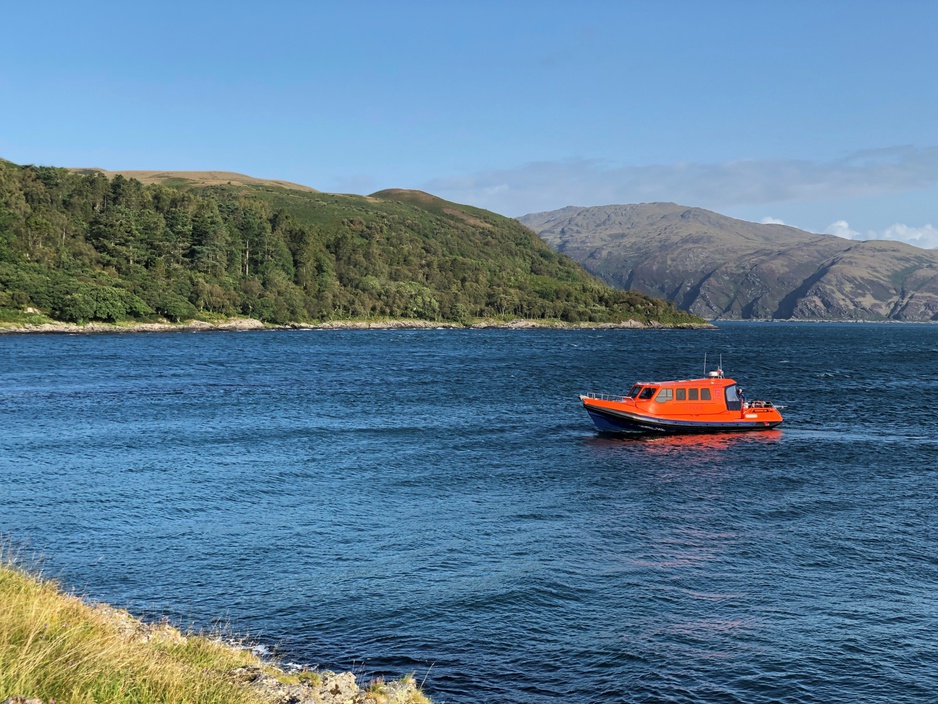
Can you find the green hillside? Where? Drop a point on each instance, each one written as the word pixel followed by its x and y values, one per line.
pixel 80 246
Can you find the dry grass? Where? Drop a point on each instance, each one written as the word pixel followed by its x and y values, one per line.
pixel 403 691
pixel 54 646
pixel 200 178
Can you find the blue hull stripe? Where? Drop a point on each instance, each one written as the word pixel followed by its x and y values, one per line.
pixel 618 422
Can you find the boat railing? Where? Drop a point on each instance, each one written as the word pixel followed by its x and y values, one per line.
pixel 760 404
pixel 605 397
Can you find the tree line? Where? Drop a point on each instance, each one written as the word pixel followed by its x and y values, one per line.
pixel 82 246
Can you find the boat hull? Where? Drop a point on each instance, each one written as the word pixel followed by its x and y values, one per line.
pixel 621 422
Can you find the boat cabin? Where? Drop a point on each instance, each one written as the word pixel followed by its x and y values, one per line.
pixel 695 391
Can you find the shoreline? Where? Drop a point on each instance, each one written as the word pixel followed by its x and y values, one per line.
pixel 111 650
pixel 252 324
pixel 241 324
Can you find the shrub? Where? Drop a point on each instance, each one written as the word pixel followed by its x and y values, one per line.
pixel 79 301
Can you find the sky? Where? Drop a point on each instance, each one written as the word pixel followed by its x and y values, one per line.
pixel 820 115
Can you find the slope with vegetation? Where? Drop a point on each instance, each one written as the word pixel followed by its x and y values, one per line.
pixel 79 246
pixel 720 267
pixel 55 647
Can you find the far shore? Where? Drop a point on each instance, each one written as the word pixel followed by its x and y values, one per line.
pixel 239 324
pixel 251 324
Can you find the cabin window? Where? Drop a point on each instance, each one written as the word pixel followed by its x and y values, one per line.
pixel 633 392
pixel 680 394
pixel 664 395
pixel 705 394
pixel 692 394
pixel 647 393
pixel 733 402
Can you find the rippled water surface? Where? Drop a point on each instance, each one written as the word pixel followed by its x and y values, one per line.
pixel 437 502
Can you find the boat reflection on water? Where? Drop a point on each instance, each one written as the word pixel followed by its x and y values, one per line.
pixel 703 443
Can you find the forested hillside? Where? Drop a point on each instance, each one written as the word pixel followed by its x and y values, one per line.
pixel 80 246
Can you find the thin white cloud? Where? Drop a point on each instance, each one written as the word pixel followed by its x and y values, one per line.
pixel 550 185
pixel 925 237
pixel 842 228
pixel 769 220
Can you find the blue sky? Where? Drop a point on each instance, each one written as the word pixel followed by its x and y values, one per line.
pixel 822 115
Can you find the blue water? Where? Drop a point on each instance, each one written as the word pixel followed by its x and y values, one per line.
pixel 437 502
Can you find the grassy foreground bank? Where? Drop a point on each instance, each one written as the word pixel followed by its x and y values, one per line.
pixel 58 647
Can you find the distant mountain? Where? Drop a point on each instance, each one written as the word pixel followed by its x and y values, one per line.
pixel 719 267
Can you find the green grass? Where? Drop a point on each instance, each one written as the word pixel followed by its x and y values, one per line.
pixel 17 316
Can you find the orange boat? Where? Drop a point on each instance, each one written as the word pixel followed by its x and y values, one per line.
pixel 714 404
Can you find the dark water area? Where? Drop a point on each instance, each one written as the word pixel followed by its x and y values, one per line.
pixel 438 502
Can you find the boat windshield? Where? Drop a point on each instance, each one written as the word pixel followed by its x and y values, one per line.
pixel 647 392
pixel 633 392
pixel 733 401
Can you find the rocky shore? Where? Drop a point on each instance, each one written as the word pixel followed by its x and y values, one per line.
pixel 87 328
pixel 248 324
pixel 314 687
pixel 294 684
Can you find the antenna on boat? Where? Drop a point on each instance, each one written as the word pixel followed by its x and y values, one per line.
pixel 717 373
